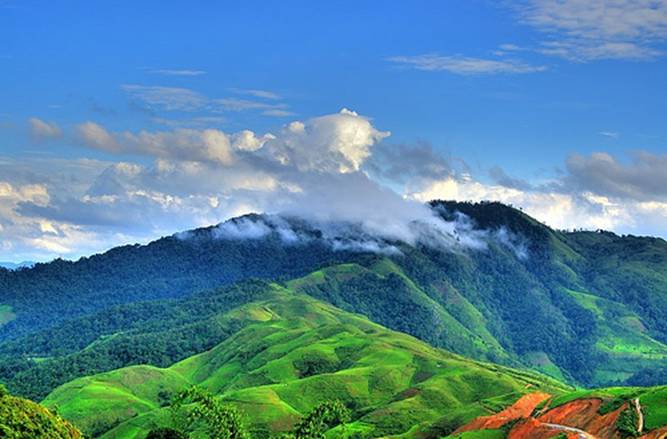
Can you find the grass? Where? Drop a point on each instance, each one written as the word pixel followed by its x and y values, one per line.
pixel 621 339
pixel 295 353
pixel 480 434
pixel 654 407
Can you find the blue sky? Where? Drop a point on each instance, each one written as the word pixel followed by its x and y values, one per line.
pixel 556 106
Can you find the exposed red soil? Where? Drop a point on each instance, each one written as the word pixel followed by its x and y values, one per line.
pixel 581 415
pixel 519 410
pixel 660 433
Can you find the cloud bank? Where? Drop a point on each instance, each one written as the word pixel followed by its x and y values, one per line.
pixel 337 169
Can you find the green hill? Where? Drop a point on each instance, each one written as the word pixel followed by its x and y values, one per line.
pixel 292 353
pixel 20 418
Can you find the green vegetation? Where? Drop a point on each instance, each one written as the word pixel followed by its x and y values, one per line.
pixel 626 424
pixel 654 407
pixel 583 307
pixel 6 314
pixel 275 329
pixel 20 418
pixel 220 421
pixel 293 354
pixel 480 434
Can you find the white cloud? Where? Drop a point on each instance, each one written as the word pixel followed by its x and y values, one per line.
pixel 586 30
pixel 556 209
pixel 178 72
pixel 610 134
pixel 464 65
pixel 43 130
pixel 234 104
pixel 181 144
pixel 263 94
pixel 278 113
pixel 183 99
pixel 96 136
pixel 327 168
pixel 334 143
pixel 166 98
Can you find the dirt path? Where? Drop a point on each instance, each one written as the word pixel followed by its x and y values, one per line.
pixel 640 415
pixel 581 433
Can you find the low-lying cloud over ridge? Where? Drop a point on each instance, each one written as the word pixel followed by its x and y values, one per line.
pixel 333 169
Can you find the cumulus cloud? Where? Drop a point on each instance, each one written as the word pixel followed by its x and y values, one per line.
pixel 645 178
pixel 181 144
pixel 335 172
pixel 43 130
pixel 333 143
pixel 407 165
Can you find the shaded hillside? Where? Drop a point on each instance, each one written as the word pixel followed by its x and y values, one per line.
pixel 170 267
pixel 293 353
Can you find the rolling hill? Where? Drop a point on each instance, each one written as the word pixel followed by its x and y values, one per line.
pixel 292 353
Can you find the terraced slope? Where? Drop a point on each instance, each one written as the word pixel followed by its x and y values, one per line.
pixel 293 353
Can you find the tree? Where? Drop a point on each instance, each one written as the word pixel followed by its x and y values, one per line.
pixel 323 417
pixel 166 433
pixel 222 422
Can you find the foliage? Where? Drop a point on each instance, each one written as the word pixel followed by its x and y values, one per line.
pixel 222 421
pixel 166 433
pixel 626 424
pixel 322 418
pixel 20 418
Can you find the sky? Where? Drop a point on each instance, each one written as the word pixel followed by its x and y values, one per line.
pixel 124 121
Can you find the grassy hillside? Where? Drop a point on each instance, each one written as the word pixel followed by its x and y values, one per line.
pixel 294 353
pixel 20 418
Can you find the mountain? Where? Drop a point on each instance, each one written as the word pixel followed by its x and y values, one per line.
pixel 16 265
pixel 291 353
pixel 20 418
pixel 584 307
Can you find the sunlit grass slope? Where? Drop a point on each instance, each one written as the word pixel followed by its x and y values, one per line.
pixel 294 353
pixel 21 418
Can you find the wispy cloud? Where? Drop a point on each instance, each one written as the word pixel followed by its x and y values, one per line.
pixel 464 65
pixel 262 94
pixel 587 30
pixel 184 99
pixel 610 134
pixel 178 72
pixel 166 98
pixel 44 130
pixel 234 104
pixel 278 113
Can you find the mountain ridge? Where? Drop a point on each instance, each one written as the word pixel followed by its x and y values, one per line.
pixel 563 303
